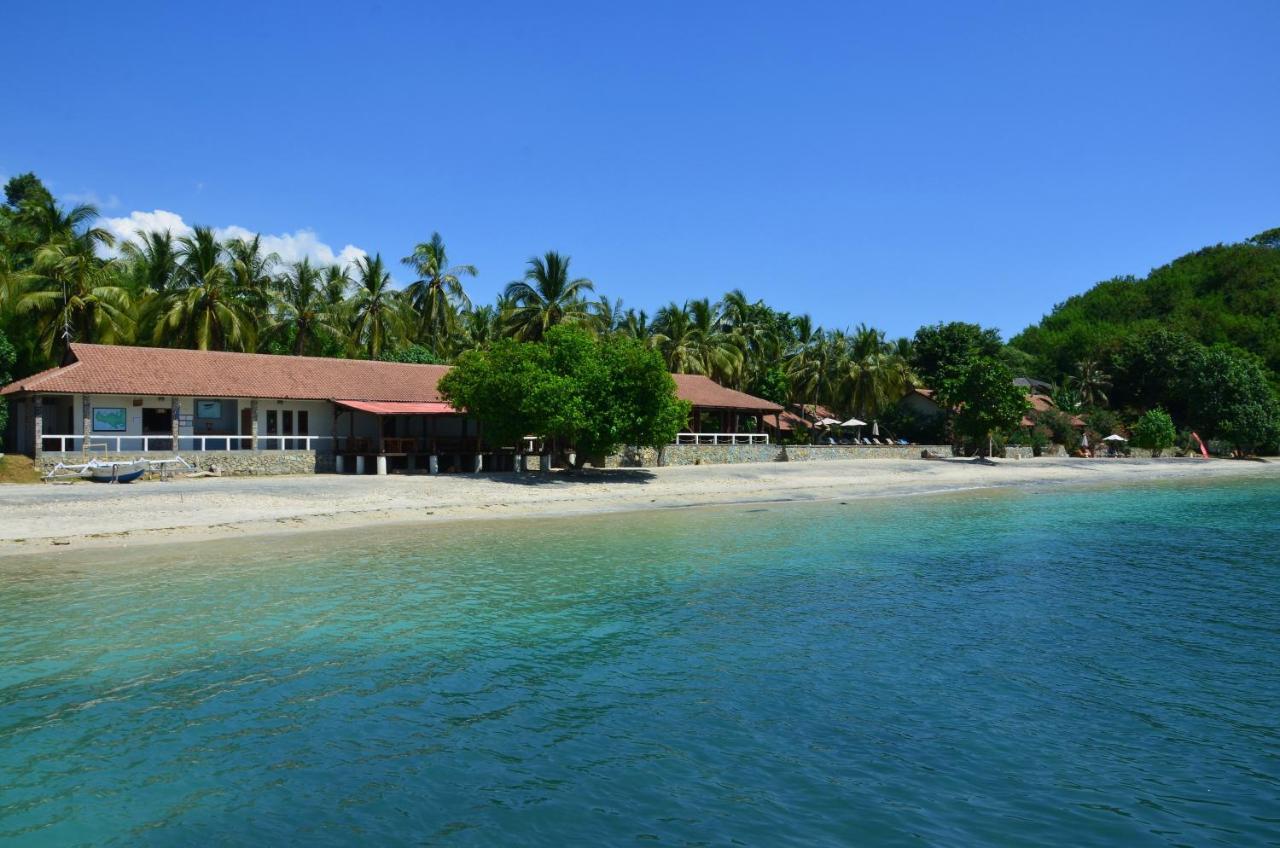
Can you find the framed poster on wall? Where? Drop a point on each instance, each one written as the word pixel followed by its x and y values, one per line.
pixel 110 419
pixel 208 409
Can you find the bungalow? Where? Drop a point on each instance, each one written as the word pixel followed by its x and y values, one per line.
pixel 122 399
pixel 923 404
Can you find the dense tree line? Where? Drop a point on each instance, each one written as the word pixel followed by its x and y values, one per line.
pixel 1198 338
pixel 65 279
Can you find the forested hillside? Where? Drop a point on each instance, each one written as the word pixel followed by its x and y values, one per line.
pixel 1223 294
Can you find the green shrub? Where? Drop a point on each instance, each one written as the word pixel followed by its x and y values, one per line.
pixel 1155 431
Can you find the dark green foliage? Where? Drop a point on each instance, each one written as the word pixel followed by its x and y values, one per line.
pixel 1055 426
pixel 414 354
pixel 986 399
pixel 1152 367
pixel 595 394
pixel 940 350
pixel 901 422
pixel 1155 431
pixel 1231 400
pixel 771 384
pixel 1226 293
pixel 25 187
pixel 7 358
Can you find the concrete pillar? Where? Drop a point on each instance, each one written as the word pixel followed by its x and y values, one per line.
pixel 339 465
pixel 546 463
pixel 479 463
pixel 37 426
pixel 175 412
pixel 359 464
pixel 433 464
pixel 517 463
pixel 382 466
pixel 253 425
pixel 86 424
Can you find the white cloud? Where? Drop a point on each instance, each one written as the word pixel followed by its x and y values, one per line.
pixel 296 246
pixel 290 247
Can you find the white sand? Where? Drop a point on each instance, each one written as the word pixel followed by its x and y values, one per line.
pixel 44 518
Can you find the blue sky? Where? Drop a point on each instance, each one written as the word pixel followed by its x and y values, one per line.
pixel 896 164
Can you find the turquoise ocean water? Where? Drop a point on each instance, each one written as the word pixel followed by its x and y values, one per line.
pixel 1089 667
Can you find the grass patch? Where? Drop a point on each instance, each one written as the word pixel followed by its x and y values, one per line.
pixel 18 469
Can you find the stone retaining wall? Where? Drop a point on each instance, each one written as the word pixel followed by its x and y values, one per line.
pixel 734 454
pixel 236 463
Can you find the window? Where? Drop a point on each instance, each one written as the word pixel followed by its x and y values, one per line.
pixel 272 429
pixel 303 429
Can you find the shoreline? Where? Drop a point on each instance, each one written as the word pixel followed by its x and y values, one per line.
pixel 38 519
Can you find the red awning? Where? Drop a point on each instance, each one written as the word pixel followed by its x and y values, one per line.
pixel 389 407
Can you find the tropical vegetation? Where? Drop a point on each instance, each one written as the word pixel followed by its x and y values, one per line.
pixel 1198 338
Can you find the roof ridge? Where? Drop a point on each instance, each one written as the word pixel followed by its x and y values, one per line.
pixel 251 354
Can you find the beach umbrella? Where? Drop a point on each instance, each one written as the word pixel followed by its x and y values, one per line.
pixel 1115 438
pixel 852 422
pixel 1084 440
pixel 875 428
pixel 827 422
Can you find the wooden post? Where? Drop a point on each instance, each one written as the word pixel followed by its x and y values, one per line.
pixel 37 426
pixel 86 424
pixel 175 413
pixel 253 424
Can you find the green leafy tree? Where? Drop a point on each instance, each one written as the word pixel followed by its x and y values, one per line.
pixel 986 400
pixel 1232 400
pixel 25 188
pixel 592 393
pixel 1155 431
pixel 413 354
pixel 940 349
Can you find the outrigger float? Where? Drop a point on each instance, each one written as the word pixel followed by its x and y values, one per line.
pixel 116 471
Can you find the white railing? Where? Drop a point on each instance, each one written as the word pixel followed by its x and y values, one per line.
pixel 226 444
pixel 721 439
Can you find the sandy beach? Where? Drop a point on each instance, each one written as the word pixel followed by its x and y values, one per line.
pixel 39 518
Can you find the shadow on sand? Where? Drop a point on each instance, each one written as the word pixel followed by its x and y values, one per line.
pixel 609 476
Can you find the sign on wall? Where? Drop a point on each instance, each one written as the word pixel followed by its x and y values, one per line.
pixel 110 419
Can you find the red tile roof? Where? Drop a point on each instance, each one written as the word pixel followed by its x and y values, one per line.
pixel 396 407
pixel 708 394
pixel 165 372
pixel 120 370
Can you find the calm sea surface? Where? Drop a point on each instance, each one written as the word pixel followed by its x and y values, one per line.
pixel 1095 667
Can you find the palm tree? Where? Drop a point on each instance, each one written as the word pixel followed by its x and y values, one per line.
pixel 204 311
pixel 874 375
pixel 634 324
pixel 74 295
pixel 377 311
pixel 812 367
pixel 251 272
pixel 692 342
pixel 437 295
pixel 546 297
pixel 152 262
pixel 46 223
pixel 301 306
pixel 1091 383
